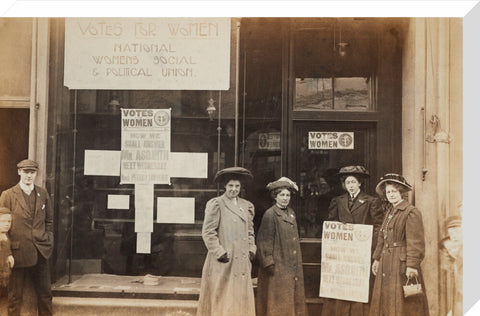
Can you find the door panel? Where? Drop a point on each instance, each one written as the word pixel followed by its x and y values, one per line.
pixel 13 144
pixel 315 170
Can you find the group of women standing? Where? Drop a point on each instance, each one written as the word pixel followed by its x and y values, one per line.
pixel 226 289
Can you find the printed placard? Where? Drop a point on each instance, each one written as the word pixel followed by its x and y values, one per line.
pixel 145 146
pixel 346 259
pixel 331 140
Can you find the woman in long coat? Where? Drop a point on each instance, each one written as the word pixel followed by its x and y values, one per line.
pixel 226 286
pixel 280 288
pixel 355 207
pixel 400 250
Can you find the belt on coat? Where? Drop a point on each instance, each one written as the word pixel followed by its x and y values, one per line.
pixel 396 244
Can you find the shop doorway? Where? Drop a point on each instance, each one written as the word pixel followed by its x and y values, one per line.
pixel 316 166
pixel 14 124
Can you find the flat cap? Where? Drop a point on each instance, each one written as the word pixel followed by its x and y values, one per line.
pixel 233 173
pixel 27 164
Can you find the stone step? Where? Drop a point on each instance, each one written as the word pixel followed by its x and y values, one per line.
pixel 122 307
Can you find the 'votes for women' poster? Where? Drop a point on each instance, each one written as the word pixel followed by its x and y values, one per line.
pixel 346 258
pixel 145 146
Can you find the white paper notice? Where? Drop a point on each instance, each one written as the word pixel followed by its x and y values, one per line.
pixel 102 163
pixel 188 165
pixel 175 210
pixel 143 242
pixel 118 202
pixel 346 258
pixel 143 208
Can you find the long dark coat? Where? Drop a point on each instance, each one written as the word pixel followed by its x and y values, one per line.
pixel 365 210
pixel 226 288
pixel 283 292
pixel 400 245
pixel 30 231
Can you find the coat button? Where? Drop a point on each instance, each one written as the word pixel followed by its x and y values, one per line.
pixel 383 274
pixel 294 252
pixel 296 279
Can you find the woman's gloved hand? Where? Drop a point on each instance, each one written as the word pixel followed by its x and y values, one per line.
pixel 375 267
pixel 270 269
pixel 224 258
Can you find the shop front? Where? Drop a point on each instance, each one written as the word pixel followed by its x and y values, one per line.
pixel 291 97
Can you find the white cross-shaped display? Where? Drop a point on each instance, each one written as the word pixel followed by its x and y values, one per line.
pixel 145 160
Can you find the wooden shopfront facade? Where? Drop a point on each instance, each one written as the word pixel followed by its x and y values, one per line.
pixel 304 98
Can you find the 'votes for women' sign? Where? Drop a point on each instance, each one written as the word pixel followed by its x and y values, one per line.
pixel 145 146
pixel 147 53
pixel 346 258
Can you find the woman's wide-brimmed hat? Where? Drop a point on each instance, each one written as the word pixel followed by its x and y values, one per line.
pixel 240 173
pixel 283 182
pixel 392 177
pixel 358 171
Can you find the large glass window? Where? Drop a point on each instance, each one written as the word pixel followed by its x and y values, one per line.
pixel 348 93
pixel 334 67
pixel 103 237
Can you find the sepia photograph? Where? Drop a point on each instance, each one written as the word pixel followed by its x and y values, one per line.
pixel 226 164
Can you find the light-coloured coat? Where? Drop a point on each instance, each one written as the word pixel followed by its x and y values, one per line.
pixel 226 288
pixel 281 293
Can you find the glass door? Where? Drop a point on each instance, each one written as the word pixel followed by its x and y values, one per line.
pixel 322 148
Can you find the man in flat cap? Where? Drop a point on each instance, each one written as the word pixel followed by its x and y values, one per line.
pixel 31 239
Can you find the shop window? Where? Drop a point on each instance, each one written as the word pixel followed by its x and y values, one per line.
pixel 334 66
pixel 347 93
pixel 104 238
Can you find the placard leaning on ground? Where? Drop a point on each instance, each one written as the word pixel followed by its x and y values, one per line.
pixel 353 207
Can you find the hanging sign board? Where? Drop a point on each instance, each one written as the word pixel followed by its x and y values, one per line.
pixel 145 146
pixel 346 257
pixel 147 53
pixel 330 140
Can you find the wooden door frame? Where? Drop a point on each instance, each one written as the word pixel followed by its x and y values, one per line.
pixel 387 116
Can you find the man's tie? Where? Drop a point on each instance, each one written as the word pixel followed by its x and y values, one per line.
pixel 351 200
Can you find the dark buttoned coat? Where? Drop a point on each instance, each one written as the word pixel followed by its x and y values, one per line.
pixel 30 230
pixel 365 210
pixel 401 244
pixel 281 293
